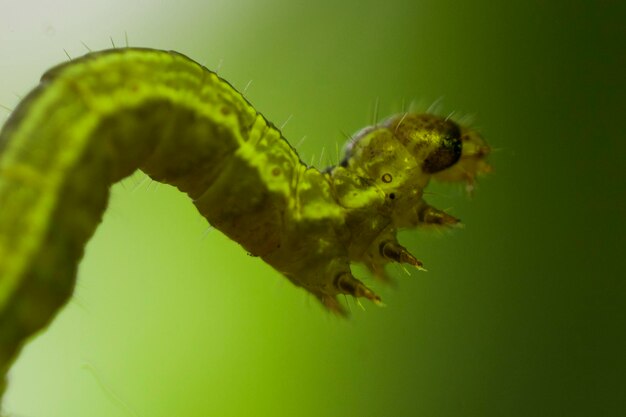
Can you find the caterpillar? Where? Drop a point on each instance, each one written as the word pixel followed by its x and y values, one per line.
pixel 94 120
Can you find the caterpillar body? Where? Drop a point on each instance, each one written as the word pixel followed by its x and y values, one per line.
pixel 94 120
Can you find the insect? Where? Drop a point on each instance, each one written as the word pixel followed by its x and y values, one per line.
pixel 94 120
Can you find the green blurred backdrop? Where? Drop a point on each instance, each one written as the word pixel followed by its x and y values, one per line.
pixel 522 312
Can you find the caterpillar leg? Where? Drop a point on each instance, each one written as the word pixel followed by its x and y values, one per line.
pixel 346 283
pixel 393 251
pixel 385 250
pixel 429 215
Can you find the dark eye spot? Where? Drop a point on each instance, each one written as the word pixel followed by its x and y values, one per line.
pixel 276 171
pixel 452 130
pixel 387 178
pixel 392 196
pixel 449 151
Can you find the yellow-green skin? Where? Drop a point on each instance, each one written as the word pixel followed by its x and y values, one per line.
pixel 95 120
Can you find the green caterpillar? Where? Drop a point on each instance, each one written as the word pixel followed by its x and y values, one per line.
pixel 95 120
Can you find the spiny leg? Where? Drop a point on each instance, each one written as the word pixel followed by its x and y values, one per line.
pixel 345 283
pixel 393 251
pixel 429 215
pixel 385 250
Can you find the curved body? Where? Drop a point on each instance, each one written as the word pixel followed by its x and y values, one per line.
pixel 95 120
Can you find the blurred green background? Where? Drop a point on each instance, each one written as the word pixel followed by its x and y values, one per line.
pixel 522 312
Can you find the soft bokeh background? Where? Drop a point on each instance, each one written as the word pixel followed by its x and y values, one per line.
pixel 522 312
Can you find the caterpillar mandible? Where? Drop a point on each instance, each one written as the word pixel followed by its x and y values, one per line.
pixel 94 120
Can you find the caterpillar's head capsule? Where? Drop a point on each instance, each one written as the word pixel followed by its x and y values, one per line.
pixel 414 147
pixel 433 140
pixel 406 145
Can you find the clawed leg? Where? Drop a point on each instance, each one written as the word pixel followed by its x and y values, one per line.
pixel 386 250
pixel 345 283
pixel 428 215
pixel 393 251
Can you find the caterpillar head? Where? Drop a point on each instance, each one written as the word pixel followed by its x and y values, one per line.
pixel 396 159
pixel 408 149
pixel 403 149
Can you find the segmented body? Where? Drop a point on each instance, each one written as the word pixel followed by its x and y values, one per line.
pixel 95 120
